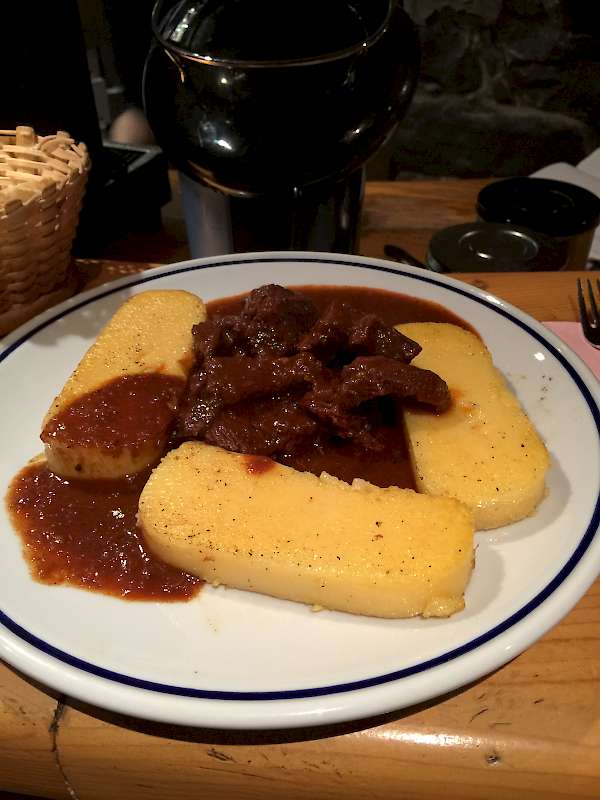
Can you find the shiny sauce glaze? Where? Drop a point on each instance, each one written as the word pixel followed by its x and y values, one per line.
pixel 347 460
pixel 391 307
pixel 84 533
pixel 132 411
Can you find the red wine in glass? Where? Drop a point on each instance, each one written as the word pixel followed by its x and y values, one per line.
pixel 277 105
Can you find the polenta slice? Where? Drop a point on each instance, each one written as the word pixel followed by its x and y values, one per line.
pixel 484 451
pixel 113 415
pixel 252 524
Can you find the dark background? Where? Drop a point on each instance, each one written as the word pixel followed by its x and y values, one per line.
pixel 506 86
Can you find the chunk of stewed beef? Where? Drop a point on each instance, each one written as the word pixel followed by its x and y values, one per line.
pixel 276 376
pixel 343 332
pixel 275 318
pixel 337 401
pixel 225 382
pixel 263 427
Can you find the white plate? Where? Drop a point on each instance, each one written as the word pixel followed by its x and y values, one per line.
pixel 231 659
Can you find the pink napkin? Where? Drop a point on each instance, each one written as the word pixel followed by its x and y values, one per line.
pixel 570 333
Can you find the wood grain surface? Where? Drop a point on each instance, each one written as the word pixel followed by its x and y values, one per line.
pixel 405 213
pixel 408 213
pixel 530 731
pixel 544 295
pixel 28 755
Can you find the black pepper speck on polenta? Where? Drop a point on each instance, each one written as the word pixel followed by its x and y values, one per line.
pixel 321 552
pixel 483 450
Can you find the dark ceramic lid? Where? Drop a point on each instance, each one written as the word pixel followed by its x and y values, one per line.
pixel 556 208
pixel 494 247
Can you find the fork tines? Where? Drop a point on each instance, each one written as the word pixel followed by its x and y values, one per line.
pixel 590 322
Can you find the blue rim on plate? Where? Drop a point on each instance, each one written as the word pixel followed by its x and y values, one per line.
pixel 333 689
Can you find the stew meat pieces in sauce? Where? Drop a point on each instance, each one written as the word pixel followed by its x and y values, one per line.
pixel 280 380
pixel 306 379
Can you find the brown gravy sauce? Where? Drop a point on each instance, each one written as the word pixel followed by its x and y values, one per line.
pixel 343 459
pixel 391 307
pixel 84 532
pixel 258 465
pixel 131 411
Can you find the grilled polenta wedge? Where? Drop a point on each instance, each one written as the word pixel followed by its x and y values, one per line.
pixel 483 451
pixel 113 415
pixel 250 523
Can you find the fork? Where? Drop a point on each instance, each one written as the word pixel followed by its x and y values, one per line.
pixel 590 323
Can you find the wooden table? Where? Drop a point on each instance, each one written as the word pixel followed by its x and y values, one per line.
pixel 529 730
pixel 405 213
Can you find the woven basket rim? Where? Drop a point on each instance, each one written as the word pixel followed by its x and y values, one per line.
pixel 31 165
pixel 32 162
pixel 42 182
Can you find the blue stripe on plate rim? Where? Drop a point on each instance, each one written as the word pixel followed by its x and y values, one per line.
pixel 365 683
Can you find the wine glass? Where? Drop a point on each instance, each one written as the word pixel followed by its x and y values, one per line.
pixel 270 110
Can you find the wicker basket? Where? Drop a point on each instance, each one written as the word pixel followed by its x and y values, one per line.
pixel 42 181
